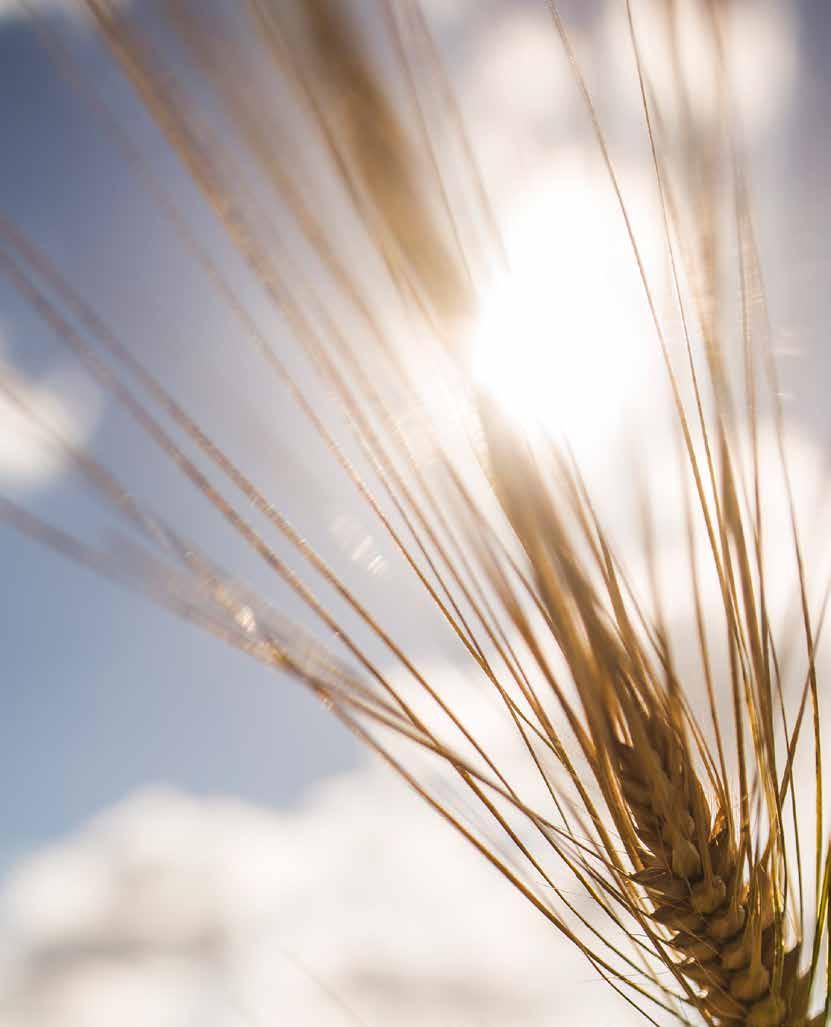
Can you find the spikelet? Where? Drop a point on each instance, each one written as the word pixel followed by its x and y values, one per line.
pixel 715 913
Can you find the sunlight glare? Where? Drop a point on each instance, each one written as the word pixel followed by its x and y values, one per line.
pixel 564 339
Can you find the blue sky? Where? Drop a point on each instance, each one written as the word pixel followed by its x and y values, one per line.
pixel 102 692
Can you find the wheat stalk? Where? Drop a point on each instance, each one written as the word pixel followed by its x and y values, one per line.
pixel 688 861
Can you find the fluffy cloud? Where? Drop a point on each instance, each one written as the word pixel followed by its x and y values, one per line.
pixel 64 401
pixel 358 907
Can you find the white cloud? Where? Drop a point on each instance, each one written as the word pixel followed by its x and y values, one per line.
pixel 174 910
pixel 64 401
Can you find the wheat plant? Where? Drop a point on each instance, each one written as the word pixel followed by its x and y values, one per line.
pixel 671 794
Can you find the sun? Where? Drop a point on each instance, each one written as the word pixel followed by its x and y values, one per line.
pixel 563 341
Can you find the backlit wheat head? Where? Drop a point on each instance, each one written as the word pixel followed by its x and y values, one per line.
pixel 672 795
